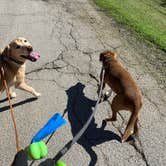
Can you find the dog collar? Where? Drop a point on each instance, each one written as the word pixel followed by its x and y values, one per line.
pixel 16 61
pixel 5 58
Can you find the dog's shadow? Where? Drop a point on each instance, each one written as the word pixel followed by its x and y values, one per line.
pixel 5 108
pixel 79 109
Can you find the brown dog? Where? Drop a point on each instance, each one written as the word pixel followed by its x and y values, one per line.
pixel 13 58
pixel 128 96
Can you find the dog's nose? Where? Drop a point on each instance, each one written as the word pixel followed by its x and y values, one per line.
pixel 29 48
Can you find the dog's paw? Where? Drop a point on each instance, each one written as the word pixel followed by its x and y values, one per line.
pixel 13 94
pixel 36 94
pixel 107 94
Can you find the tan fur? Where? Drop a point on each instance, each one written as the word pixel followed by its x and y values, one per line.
pixel 14 72
pixel 128 96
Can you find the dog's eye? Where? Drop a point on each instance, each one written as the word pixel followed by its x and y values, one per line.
pixel 25 41
pixel 18 46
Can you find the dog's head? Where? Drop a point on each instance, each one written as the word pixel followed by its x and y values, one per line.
pixel 107 55
pixel 20 49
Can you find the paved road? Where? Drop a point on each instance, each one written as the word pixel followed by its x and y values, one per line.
pixel 70 34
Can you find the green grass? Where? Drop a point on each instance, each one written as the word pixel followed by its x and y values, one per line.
pixel 147 17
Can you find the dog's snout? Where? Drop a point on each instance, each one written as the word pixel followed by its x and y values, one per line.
pixel 29 48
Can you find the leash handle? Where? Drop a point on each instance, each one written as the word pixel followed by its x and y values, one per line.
pixel 18 147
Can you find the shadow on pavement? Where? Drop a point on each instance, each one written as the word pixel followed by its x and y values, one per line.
pixel 5 108
pixel 3 100
pixel 79 108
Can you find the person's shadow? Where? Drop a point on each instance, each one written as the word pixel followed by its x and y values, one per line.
pixel 79 109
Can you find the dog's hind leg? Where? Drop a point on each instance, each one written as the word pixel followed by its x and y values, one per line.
pixel 120 102
pixel 131 124
pixel 136 127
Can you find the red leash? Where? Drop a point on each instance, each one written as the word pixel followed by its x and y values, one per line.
pixel 18 147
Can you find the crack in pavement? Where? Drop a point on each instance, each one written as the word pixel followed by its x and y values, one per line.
pixel 73 38
pixel 139 149
pixel 52 80
pixel 155 105
pixel 78 29
pixel 51 63
pixel 135 142
pixel 106 159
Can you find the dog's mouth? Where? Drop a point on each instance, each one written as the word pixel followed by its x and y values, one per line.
pixel 33 56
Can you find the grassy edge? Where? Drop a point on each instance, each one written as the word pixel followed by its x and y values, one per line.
pixel 125 22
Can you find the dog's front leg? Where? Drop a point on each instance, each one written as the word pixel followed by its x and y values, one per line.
pixel 24 86
pixel 11 93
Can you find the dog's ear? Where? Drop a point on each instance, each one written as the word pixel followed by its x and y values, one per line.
pixel 6 51
pixel 114 55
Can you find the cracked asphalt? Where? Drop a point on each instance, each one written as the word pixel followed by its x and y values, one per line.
pixel 70 34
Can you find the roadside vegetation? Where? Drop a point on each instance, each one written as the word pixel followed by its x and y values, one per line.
pixel 146 17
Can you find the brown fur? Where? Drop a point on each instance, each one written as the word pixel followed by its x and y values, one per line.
pixel 128 96
pixel 14 65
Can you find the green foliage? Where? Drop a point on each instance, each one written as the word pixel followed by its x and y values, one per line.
pixel 148 18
